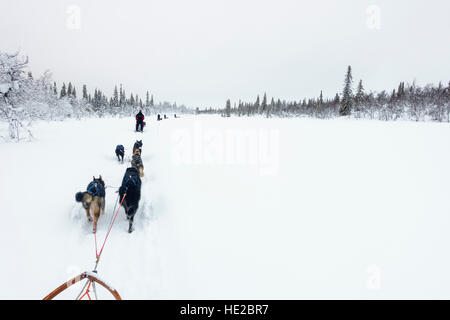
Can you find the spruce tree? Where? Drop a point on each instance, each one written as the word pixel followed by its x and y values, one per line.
pixel 278 105
pixel 69 90
pixel 264 103
pixel 270 108
pixel 401 90
pixel 228 108
pixel 393 96
pixel 85 93
pixel 257 105
pixel 347 95
pixel 115 99
pixel 95 103
pixel 319 104
pixel 359 97
pixel 63 91
pixel 337 99
pixel 121 96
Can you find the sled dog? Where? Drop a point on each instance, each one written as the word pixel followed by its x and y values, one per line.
pixel 93 200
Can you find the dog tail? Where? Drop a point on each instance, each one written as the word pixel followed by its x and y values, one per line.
pixel 79 196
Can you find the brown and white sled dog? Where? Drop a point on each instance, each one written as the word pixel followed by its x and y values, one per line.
pixel 136 162
pixel 93 200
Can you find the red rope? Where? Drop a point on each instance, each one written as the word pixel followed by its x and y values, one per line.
pixel 97 254
pixel 95 239
pixel 87 292
pixel 103 246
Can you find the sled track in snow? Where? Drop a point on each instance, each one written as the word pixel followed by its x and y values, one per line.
pixel 134 246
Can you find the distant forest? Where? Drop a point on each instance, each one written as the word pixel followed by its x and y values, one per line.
pixel 25 98
pixel 407 102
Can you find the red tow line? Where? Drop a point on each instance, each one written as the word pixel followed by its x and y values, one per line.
pixel 98 254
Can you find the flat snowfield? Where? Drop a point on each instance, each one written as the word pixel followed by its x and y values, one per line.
pixel 239 208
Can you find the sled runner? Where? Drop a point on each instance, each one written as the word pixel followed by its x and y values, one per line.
pixel 92 279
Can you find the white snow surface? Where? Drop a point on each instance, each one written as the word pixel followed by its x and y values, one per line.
pixel 326 209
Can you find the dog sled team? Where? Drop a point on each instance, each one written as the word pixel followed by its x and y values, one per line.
pixel 93 199
pixel 140 123
pixel 159 118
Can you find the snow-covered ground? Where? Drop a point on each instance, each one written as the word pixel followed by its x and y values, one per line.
pixel 234 209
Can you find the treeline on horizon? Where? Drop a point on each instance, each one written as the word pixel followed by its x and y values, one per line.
pixel 407 102
pixel 22 96
pixel 118 104
pixel 25 98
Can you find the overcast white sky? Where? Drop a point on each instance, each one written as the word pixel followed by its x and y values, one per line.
pixel 201 52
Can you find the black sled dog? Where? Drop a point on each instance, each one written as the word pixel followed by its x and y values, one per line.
pixel 120 152
pixel 131 190
pixel 93 200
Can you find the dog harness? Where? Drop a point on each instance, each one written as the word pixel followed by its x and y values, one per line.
pixel 120 149
pixel 96 189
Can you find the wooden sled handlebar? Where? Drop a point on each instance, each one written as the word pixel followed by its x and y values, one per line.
pixel 81 277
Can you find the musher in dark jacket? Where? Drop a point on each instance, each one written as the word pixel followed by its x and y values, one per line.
pixel 140 121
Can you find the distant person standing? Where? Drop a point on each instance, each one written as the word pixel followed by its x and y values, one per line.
pixel 140 121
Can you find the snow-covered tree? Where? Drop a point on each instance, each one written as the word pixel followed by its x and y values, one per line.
pixel 69 90
pixel 347 95
pixel 360 96
pixel 257 105
pixel 264 103
pixel 12 92
pixel 63 91
pixel 228 108
pixel 85 93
